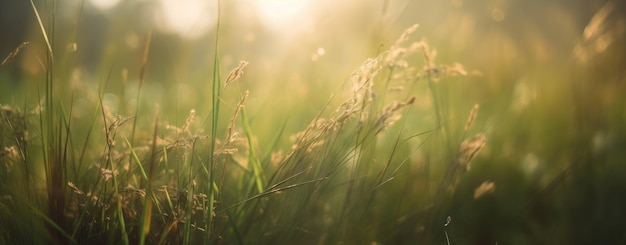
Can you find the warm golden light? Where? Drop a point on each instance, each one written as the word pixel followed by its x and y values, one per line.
pixel 104 4
pixel 188 18
pixel 282 13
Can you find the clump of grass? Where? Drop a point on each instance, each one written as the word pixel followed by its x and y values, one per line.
pixel 201 182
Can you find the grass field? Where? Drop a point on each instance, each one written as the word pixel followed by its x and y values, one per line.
pixel 329 123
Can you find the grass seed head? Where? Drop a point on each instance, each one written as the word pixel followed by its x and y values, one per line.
pixel 9 155
pixel 190 118
pixel 472 117
pixel 235 73
pixel 13 53
pixel 469 148
pixel 485 188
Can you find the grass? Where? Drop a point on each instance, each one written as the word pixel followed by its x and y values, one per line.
pixel 406 149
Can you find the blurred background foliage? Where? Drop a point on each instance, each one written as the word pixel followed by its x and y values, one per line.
pixel 550 77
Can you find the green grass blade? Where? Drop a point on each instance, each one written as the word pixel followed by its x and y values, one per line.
pixel 136 158
pixel 253 156
pixel 43 29
pixel 215 98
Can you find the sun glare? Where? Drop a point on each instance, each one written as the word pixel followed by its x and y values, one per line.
pixel 104 4
pixel 188 18
pixel 282 13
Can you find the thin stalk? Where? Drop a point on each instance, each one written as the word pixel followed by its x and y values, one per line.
pixel 144 226
pixel 142 72
pixel 215 98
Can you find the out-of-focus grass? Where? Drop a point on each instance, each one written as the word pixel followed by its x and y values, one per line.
pixel 303 145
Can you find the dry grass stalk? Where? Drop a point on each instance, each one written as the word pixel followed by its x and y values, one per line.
pixel 405 35
pixel 13 53
pixel 277 157
pixel 189 120
pixel 235 73
pixel 362 96
pixel 429 56
pixel 396 56
pixel 314 131
pixel 472 117
pixel 107 174
pixel 600 33
pixel 469 148
pixel 9 155
pixel 389 116
pixel 185 127
pixel 466 152
pixel 362 81
pixel 485 188
pixel 597 24
pixel 111 130
pixel 74 188
pixel 230 137
pixel 435 72
pixel 228 151
pixel 15 121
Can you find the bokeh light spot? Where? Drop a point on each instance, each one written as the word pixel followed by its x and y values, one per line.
pixel 188 18
pixel 321 51
pixel 104 4
pixel 497 14
pixel 279 13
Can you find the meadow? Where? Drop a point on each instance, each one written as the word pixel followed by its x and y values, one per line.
pixel 359 122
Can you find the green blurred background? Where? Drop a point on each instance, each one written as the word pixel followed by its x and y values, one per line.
pixel 550 77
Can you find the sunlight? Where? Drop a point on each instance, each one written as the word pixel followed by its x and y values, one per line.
pixel 188 18
pixel 104 4
pixel 282 13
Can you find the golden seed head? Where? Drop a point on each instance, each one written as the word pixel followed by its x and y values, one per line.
pixel 235 73
pixel 469 148
pixel 485 188
pixel 471 117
